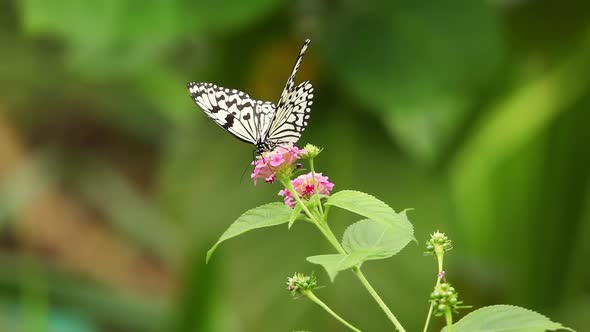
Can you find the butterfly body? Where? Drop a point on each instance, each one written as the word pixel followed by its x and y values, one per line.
pixel 260 123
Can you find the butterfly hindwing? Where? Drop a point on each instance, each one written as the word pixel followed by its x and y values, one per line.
pixel 291 80
pixel 293 109
pixel 245 118
pixel 291 118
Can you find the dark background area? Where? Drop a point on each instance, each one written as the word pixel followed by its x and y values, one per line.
pixel 113 184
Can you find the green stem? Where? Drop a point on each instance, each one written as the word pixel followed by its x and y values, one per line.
pixel 315 187
pixel 428 317
pixel 325 229
pixel 449 319
pixel 293 192
pixel 329 235
pixel 319 302
pixel 439 258
pixel 357 271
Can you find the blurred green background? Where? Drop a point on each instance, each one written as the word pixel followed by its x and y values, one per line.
pixel 113 184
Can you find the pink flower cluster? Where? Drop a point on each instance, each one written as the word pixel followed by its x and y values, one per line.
pixel 269 163
pixel 304 187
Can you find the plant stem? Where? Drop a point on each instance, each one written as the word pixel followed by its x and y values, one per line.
pixel 293 192
pixel 325 229
pixel 315 187
pixel 428 318
pixel 449 319
pixel 319 302
pixel 357 271
pixel 439 258
pixel 329 235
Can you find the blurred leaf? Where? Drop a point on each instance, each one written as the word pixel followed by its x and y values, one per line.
pixel 59 320
pixel 374 240
pixel 116 306
pixel 372 208
pixel 203 304
pixel 21 188
pixel 116 36
pixel 418 63
pixel 506 128
pixel 505 318
pixel 271 214
pixel 166 91
pixel 129 212
pixel 34 297
pixel 337 262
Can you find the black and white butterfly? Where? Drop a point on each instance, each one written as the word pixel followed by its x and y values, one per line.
pixel 258 122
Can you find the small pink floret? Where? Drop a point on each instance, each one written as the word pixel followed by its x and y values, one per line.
pixel 304 187
pixel 270 162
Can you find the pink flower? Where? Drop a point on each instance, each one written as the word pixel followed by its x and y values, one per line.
pixel 270 162
pixel 304 187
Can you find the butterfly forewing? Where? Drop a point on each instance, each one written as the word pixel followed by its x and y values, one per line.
pixel 245 118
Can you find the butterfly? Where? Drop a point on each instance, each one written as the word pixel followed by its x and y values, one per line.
pixel 254 121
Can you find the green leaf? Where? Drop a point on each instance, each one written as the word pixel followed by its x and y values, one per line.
pixel 294 215
pixel 505 318
pixel 263 216
pixel 337 262
pixel 374 240
pixel 372 208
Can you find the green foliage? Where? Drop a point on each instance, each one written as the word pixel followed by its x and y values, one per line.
pixel 366 239
pixel 296 213
pixel 374 240
pixel 419 71
pixel 505 318
pixel 372 208
pixel 268 215
pixel 337 262
pixel 122 35
pixel 487 101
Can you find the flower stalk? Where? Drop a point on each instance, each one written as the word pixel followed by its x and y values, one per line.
pixel 444 299
pixel 310 295
pixel 449 319
pixel 303 285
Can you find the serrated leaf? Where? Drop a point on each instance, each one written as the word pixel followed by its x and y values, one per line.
pixel 372 208
pixel 374 240
pixel 337 262
pixel 505 318
pixel 294 215
pixel 263 216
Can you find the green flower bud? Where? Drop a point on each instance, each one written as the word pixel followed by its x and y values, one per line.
pixel 311 151
pixel 438 244
pixel 299 283
pixel 445 298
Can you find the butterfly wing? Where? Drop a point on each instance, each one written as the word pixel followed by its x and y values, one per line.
pixel 291 118
pixel 293 109
pixel 245 118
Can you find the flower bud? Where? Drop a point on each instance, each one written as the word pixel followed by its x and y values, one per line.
pixel 445 298
pixel 299 283
pixel 311 151
pixel 438 244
